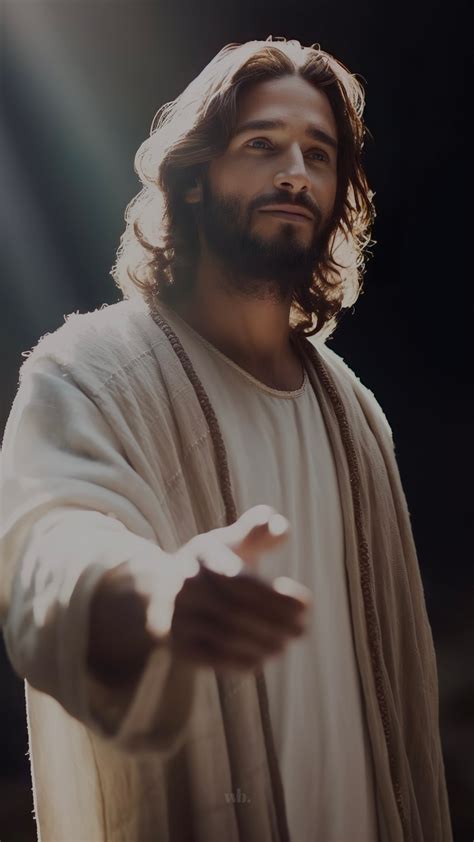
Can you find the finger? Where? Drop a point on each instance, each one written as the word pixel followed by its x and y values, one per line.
pixel 294 590
pixel 219 559
pixel 262 538
pixel 254 595
pixel 235 625
pixel 258 530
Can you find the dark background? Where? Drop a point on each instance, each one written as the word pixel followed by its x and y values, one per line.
pixel 80 84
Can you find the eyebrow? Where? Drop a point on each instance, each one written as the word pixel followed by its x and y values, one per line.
pixel 263 125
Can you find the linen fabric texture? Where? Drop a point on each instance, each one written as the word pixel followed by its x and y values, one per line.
pixel 113 451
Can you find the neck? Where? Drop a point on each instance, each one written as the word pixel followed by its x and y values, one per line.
pixel 253 332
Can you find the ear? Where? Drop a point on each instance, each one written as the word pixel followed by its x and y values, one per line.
pixel 193 195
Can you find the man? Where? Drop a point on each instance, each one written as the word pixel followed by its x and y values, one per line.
pixel 210 583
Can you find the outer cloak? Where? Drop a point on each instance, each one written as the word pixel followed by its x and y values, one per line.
pixel 112 451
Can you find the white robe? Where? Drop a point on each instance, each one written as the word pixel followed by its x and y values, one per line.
pixel 112 451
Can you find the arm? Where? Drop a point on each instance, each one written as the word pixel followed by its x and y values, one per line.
pixel 70 513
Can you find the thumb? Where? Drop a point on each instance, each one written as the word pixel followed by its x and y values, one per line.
pixel 259 530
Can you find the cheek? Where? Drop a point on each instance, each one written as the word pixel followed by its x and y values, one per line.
pixel 239 175
pixel 325 189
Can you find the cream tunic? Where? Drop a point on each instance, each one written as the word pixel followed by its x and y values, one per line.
pixel 279 454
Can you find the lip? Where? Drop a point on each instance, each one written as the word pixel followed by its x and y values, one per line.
pixel 288 211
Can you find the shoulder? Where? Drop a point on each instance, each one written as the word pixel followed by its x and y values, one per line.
pixel 345 376
pixel 95 346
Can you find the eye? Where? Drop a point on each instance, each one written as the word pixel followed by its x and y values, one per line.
pixel 257 140
pixel 267 145
pixel 319 152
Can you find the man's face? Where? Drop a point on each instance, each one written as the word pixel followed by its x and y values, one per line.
pixel 270 252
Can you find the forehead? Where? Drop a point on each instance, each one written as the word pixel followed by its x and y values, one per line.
pixel 290 98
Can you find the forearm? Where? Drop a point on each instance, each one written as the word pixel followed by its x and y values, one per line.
pixel 73 508
pixel 48 635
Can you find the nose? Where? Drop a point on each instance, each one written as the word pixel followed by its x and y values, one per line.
pixel 293 177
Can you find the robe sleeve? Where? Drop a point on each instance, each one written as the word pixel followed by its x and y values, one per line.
pixel 73 507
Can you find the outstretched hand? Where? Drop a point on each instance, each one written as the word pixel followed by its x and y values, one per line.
pixel 226 615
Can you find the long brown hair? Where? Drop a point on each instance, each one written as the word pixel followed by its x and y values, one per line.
pixel 159 247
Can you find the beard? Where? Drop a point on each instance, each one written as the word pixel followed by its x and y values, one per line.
pixel 259 266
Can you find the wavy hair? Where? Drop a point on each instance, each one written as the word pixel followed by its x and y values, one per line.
pixel 159 247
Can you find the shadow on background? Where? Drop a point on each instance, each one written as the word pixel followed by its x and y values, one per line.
pixel 81 83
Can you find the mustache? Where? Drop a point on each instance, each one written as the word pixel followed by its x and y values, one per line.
pixel 282 198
